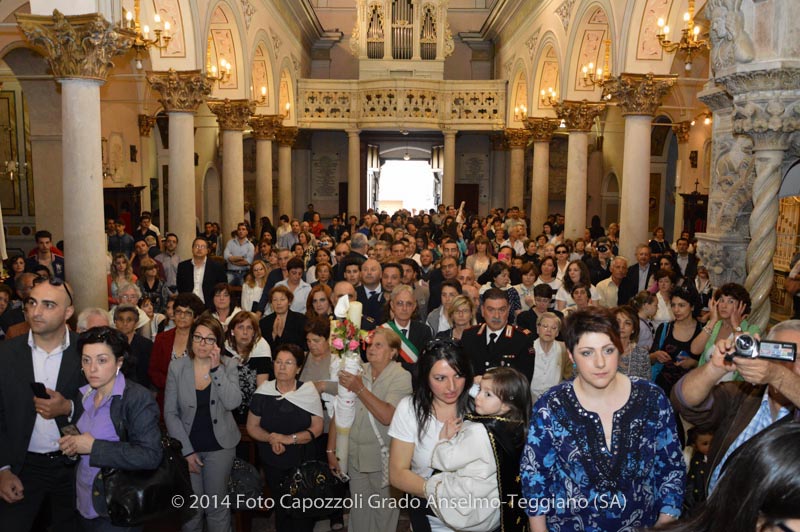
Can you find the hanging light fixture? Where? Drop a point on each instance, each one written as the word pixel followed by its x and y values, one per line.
pixel 142 40
pixel 691 42
pixel 597 77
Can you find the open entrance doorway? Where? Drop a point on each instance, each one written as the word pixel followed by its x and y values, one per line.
pixel 406 185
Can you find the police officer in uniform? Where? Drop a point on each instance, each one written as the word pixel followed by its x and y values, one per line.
pixel 496 343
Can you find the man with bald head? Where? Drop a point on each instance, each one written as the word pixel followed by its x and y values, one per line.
pixel 370 294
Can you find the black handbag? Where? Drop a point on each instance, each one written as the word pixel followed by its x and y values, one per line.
pixel 135 497
pixel 244 484
pixel 309 486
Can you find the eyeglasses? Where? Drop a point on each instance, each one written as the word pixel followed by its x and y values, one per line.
pixel 562 252
pixel 184 312
pixel 55 281
pixel 285 363
pixel 210 340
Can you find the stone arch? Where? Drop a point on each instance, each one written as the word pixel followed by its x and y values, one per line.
pixel 223 34
pixel 586 43
pixel 547 63
pixel 262 71
pixel 518 99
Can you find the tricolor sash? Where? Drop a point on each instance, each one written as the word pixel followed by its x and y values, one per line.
pixel 407 349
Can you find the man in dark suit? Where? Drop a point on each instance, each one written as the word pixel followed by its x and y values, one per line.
pixel 687 262
pixel 496 343
pixel 209 271
pixel 414 335
pixel 370 294
pixel 638 274
pixel 359 246
pixel 32 469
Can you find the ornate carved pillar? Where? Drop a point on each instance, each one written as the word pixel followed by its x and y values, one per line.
pixel 232 117
pixel 517 140
pixel 681 130
pixel 449 175
pixel 723 247
pixel 146 156
pixel 542 130
pixel 264 127
pixel 285 137
pixel 638 95
pixel 579 118
pixel 181 94
pixel 79 50
pixel 765 109
pixel 353 172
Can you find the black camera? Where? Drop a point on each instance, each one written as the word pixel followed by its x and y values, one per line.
pixel 746 346
pixel 602 248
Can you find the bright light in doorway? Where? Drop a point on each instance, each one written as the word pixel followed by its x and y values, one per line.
pixel 406 185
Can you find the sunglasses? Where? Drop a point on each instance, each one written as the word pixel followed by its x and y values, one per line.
pixel 55 281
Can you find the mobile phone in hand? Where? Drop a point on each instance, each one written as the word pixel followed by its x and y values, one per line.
pixel 70 430
pixel 39 390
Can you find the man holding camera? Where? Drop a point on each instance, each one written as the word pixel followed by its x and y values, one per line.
pixel 737 411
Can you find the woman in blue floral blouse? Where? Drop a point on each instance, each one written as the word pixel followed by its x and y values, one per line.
pixel 602 453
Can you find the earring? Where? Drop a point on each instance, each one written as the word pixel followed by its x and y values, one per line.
pixel 574 368
pixel 117 371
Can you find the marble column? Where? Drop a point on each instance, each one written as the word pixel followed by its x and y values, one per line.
pixel 449 175
pixel 542 130
pixel 147 154
pixel 232 117
pixel 517 140
pixel 181 92
pixel 354 172
pixel 682 131
pixel 264 127
pixel 79 50
pixel 639 96
pixel 285 137
pixel 499 163
pixel 579 118
pixel 765 109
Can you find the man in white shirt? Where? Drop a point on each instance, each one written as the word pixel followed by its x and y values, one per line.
pixel 609 288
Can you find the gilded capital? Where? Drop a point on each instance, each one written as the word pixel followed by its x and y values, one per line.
pixel 80 46
pixel 541 128
pixel 180 91
pixel 232 115
pixel 146 124
pixel 517 137
pixel 265 126
pixel 578 115
pixel 638 94
pixel 286 135
pixel 682 130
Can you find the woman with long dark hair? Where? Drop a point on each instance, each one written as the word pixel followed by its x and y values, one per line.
pixel 445 375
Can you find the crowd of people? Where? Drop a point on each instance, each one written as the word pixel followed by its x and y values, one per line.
pixel 509 380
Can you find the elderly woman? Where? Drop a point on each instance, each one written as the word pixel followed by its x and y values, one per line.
pixel 461 316
pixel 243 343
pixel 285 414
pixel 283 326
pixel 222 305
pixel 599 440
pixel 130 294
pixel 174 343
pixel 551 365
pixel 634 360
pixel 379 388
pixel 118 426
pixel 202 393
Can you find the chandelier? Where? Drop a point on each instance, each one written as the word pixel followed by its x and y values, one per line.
pixel 222 73
pixel 142 40
pixel 691 42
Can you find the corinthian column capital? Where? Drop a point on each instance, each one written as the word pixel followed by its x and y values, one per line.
pixel 180 91
pixel 578 115
pixel 146 124
pixel 232 115
pixel 682 130
pixel 517 137
pixel 638 94
pixel 286 135
pixel 541 128
pixel 80 46
pixel 265 126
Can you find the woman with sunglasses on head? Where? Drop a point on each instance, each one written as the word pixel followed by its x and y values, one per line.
pixel 173 343
pixel 202 393
pixel 118 426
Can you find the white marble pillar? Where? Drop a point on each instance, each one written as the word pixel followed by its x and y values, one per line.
pixel 181 94
pixel 517 142
pixel 232 116
pixel 264 127
pixel 353 172
pixel 80 70
pixel 449 175
pixel 286 137
pixel 540 186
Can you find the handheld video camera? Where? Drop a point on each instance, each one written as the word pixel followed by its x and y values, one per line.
pixel 746 346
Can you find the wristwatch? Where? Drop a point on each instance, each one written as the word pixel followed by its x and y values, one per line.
pixel 294 439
